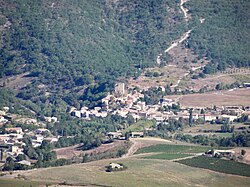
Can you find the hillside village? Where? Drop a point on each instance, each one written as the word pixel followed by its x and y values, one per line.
pixel 12 137
pixel 123 103
pixel 129 103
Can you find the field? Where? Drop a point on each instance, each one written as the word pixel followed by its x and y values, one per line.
pixel 173 149
pixel 71 151
pixel 171 152
pixel 171 75
pixel 212 129
pixel 224 166
pixel 219 98
pixel 141 125
pixel 19 183
pixel 140 172
pixel 167 156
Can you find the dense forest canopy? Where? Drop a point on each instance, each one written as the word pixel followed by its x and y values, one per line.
pixel 75 50
pixel 224 36
pixel 70 45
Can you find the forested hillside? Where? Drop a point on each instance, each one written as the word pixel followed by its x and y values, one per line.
pixel 73 45
pixel 75 50
pixel 224 37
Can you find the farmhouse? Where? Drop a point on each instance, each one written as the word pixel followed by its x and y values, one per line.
pixel 207 117
pixel 223 153
pixel 229 117
pixel 136 134
pixel 25 162
pixel 114 135
pixel 115 166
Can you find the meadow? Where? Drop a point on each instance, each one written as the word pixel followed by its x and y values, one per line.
pixel 172 149
pixel 19 183
pixel 167 156
pixel 140 172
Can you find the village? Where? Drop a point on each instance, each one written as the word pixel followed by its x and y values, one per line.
pixel 131 104
pixel 11 137
pixel 123 103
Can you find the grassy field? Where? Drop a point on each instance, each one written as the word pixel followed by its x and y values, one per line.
pixel 140 172
pixel 167 156
pixel 224 166
pixel 173 149
pixel 140 125
pixel 20 183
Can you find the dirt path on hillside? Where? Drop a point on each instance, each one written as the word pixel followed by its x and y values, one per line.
pixel 135 146
pixel 183 37
pixel 188 157
pixel 184 10
pixel 138 143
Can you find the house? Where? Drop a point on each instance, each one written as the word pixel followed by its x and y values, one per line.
pixel 17 130
pixel 166 102
pixel 51 119
pixel 229 117
pixel 4 138
pixel 24 162
pixel 224 153
pixel 76 113
pixel 120 88
pixel 115 166
pixel 31 121
pixel 207 117
pixel 246 84
pixel 51 140
pixel 2 113
pixel 235 109
pixel 114 135
pixel 41 131
pixel 136 134
pixel 16 150
pixel 38 139
pixel 3 120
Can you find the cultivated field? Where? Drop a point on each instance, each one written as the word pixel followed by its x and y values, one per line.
pixel 140 172
pixel 172 148
pixel 213 130
pixel 220 165
pixel 20 183
pixel 220 98
pixel 69 152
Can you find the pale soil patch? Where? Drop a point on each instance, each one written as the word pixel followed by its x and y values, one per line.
pixel 219 98
pixel 246 157
pixel 69 152
pixel 17 82
pixel 139 143
pixel 212 80
pixel 171 75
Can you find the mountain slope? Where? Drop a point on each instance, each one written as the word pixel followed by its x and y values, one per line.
pixel 72 45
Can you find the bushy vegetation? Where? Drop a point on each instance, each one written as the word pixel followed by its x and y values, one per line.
pixel 241 139
pixel 71 46
pixel 224 36
pixel 220 165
